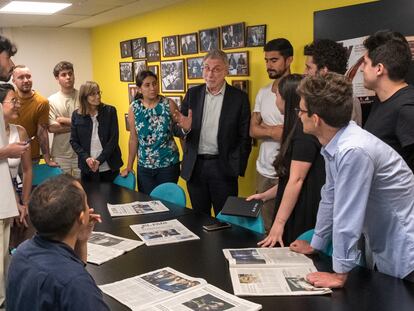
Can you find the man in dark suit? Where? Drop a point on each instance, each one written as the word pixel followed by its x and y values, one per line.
pixel 215 126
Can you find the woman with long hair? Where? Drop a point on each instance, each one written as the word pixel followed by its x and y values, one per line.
pixel 151 118
pixel 94 136
pixel 300 169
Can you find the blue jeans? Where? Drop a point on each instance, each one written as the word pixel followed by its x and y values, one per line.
pixel 149 178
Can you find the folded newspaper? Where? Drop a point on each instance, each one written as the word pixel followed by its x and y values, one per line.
pixel 271 272
pixel 167 289
pixel 163 232
pixel 136 208
pixel 103 247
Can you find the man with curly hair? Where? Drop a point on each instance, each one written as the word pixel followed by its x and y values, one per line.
pixel 324 55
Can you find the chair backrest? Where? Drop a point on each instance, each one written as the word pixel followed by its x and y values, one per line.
pixel 41 172
pixel 170 192
pixel 128 181
pixel 252 224
pixel 307 236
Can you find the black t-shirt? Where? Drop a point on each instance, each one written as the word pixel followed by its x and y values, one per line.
pixel 392 121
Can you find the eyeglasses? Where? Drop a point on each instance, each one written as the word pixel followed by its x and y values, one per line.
pixel 96 93
pixel 213 70
pixel 297 110
pixel 14 102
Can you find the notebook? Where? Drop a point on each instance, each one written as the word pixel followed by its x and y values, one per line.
pixel 240 207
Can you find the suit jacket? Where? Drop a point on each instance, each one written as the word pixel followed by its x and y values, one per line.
pixel 234 142
pixel 108 132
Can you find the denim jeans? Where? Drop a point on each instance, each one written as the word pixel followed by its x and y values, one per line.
pixel 149 178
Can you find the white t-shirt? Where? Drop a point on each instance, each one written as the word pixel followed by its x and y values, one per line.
pixel 8 205
pixel 96 146
pixel 266 105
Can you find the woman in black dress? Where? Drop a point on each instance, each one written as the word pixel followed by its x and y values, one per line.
pixel 300 169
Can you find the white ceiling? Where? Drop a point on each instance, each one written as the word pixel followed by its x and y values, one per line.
pixel 84 13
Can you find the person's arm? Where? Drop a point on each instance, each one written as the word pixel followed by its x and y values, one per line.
pixel 260 130
pixel 83 236
pixel 43 136
pixel 269 194
pixel 14 150
pixel 75 141
pixel 57 125
pixel 132 143
pixel 26 161
pixel 298 172
pixel 183 118
pixel 109 147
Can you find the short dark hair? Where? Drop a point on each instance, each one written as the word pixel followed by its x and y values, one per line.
pixel 328 53
pixel 280 45
pixel 63 65
pixel 328 96
pixel 391 49
pixel 8 46
pixel 55 205
pixel 5 88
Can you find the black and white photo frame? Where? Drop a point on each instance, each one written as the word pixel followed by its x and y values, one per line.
pixel 238 63
pixel 233 36
pixel 209 39
pixel 172 76
pixel 126 72
pixel 195 67
pixel 256 35
pixel 139 48
pixel 170 46
pixel 153 51
pixel 125 47
pixel 139 66
pixel 189 43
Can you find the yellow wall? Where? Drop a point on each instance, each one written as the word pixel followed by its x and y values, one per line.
pixel 292 19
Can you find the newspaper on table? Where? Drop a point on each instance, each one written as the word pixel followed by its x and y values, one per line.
pixel 163 232
pixel 103 247
pixel 271 272
pixel 136 208
pixel 168 289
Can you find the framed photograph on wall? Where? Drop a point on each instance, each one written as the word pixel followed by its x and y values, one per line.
pixel 190 85
pixel 153 51
pixel 172 76
pixel 209 39
pixel 139 48
pixel 232 36
pixel 241 85
pixel 170 46
pixel 126 72
pixel 195 67
pixel 177 99
pixel 155 69
pixel 256 35
pixel 132 91
pixel 126 122
pixel 126 50
pixel 238 63
pixel 188 43
pixel 139 65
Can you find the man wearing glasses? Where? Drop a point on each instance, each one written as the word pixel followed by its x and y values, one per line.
pixel 215 126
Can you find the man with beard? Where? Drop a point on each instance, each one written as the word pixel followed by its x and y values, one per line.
pixel 33 113
pixel 267 122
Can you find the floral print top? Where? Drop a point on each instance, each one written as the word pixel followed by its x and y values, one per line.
pixel 156 145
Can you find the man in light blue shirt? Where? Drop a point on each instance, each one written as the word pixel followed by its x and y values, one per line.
pixel 369 188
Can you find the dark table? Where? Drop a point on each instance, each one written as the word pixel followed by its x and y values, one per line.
pixel 364 290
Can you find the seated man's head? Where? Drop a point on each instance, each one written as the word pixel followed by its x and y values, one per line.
pixel 58 207
pixel 325 101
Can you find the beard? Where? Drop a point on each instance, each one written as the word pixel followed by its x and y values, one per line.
pixel 273 74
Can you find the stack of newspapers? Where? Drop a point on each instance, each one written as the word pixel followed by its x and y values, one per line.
pixel 270 272
pixel 136 208
pixel 168 289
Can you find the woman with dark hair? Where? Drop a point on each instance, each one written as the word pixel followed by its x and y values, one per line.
pixel 300 169
pixel 151 120
pixel 94 136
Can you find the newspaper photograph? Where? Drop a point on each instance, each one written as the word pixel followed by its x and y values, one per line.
pixel 141 291
pixel 288 281
pixel 265 257
pixel 136 208
pixel 205 298
pixel 163 232
pixel 103 247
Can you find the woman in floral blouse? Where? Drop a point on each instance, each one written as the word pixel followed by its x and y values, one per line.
pixel 151 115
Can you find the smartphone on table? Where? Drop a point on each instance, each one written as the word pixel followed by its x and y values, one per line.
pixel 217 226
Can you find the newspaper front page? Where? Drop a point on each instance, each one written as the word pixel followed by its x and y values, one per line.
pixel 163 232
pixel 136 208
pixel 269 257
pixel 206 298
pixel 103 247
pixel 141 291
pixel 288 281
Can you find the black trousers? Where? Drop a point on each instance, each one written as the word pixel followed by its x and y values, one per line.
pixel 107 176
pixel 210 186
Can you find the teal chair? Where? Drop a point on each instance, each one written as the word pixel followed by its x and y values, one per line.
pixel 128 181
pixel 252 224
pixel 41 172
pixel 170 192
pixel 307 236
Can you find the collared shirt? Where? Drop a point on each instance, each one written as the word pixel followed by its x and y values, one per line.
pixel 47 275
pixel 369 190
pixel 210 123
